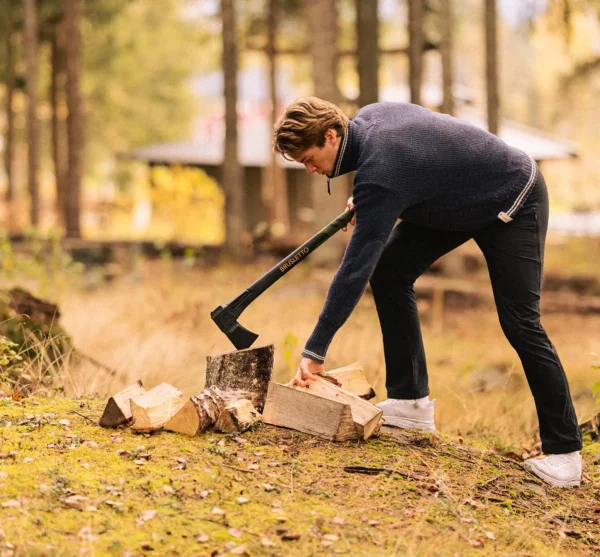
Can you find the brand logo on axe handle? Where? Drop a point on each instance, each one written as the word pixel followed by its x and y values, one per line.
pixel 293 260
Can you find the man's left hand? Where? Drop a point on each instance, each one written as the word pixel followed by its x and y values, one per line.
pixel 308 370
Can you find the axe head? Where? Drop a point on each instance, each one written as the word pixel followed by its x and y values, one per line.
pixel 226 321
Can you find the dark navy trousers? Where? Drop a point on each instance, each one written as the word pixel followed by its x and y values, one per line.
pixel 514 253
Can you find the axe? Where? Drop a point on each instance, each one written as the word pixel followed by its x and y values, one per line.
pixel 226 316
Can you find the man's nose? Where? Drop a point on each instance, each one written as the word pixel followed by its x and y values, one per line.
pixel 310 167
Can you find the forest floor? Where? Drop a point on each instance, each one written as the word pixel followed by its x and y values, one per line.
pixel 69 487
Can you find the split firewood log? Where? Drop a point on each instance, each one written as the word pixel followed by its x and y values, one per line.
pixel 228 412
pixel 247 371
pixel 366 416
pixel 153 409
pixel 310 413
pixel 352 378
pixel 118 410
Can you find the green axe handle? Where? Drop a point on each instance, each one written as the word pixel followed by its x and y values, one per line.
pixel 226 316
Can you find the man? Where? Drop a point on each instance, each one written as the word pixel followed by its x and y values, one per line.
pixel 448 182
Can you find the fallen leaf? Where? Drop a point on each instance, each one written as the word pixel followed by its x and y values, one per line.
pixel 113 503
pixel 76 501
pixel 259 454
pixel 266 542
pixel 202 537
pixel 3 475
pixel 268 487
pixel 168 489
pixel 331 537
pixel 338 520
pixel 221 443
pixel 91 444
pixel 148 514
pixel 239 550
pixel 373 522
pixel 64 422
pixel 290 537
pixel 181 460
pixel 242 500
pixel 11 503
pixel 146 546
pixel 28 459
pixel 253 466
pixel 476 543
pixel 218 511
pixel 204 494
pixel 85 534
pixel 139 461
pixel 474 504
pixel 235 532
pixel 490 536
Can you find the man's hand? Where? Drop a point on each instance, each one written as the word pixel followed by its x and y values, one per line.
pixel 351 207
pixel 307 372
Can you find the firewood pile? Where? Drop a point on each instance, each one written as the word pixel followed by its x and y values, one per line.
pixel 239 393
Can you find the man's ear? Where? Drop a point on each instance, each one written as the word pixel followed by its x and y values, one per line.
pixel 330 135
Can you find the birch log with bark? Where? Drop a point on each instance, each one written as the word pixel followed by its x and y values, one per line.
pixel 248 371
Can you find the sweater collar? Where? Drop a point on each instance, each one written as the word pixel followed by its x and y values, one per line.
pixel 346 159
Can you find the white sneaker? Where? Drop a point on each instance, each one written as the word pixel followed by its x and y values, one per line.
pixel 559 470
pixel 409 414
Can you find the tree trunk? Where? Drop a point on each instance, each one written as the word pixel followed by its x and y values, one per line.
pixel 367 36
pixel 446 24
pixel 276 196
pixel 59 156
pixel 10 126
pixel 415 48
pixel 73 10
pixel 323 31
pixel 30 37
pixel 491 66
pixel 232 174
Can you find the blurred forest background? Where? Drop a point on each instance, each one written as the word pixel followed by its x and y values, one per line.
pixel 137 171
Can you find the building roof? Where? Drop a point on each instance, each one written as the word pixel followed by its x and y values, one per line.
pixel 205 147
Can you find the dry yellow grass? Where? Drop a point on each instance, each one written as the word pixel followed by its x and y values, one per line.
pixel 158 328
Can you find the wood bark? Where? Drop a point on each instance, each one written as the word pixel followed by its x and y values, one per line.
pixel 226 411
pixel 58 133
pixel 73 11
pixel 275 194
pixel 352 378
pixel 10 120
pixel 367 37
pixel 365 415
pixel 310 413
pixel 232 174
pixel 118 409
pixel 152 409
pixel 415 48
pixel 446 53
pixel 31 47
pixel 322 19
pixel 491 66
pixel 245 371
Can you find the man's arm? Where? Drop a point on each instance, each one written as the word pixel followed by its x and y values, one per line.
pixel 377 209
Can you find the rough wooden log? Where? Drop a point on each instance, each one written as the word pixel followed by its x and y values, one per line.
pixel 237 417
pixel 118 410
pixel 248 371
pixel 229 412
pixel 153 409
pixel 352 378
pixel 366 416
pixel 304 411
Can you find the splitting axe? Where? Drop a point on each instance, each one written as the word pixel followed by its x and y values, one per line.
pixel 226 316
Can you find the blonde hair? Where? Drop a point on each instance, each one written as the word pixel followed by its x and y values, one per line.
pixel 303 124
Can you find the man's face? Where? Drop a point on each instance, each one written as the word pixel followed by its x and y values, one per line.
pixel 321 159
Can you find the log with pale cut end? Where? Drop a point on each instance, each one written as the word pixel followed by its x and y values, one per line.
pixel 366 416
pixel 303 411
pixel 118 410
pixel 247 371
pixel 225 410
pixel 352 378
pixel 156 407
pixel 237 417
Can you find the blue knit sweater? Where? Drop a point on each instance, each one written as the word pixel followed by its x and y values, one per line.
pixel 426 168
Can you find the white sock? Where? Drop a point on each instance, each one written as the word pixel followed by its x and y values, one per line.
pixel 422 402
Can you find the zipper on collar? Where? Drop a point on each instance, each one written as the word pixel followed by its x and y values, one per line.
pixel 328 185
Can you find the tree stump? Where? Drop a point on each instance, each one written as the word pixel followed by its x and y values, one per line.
pixel 247 371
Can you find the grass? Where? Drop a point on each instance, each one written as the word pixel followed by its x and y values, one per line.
pixel 72 488
pixel 449 494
